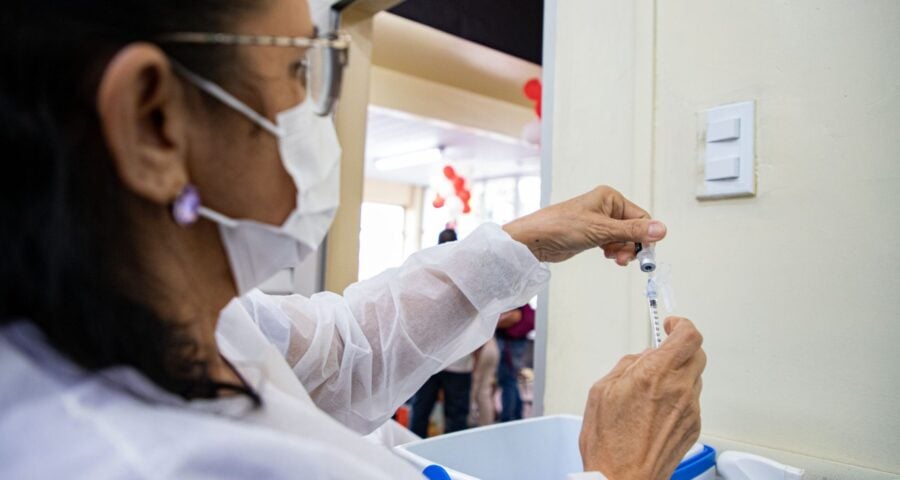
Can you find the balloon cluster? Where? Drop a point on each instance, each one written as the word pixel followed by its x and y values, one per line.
pixel 533 93
pixel 460 190
pixel 531 132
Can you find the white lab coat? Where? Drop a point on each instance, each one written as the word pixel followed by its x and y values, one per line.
pixel 351 361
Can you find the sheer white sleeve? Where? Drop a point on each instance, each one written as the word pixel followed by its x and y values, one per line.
pixel 363 354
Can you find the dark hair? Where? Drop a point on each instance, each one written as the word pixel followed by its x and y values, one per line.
pixel 447 235
pixel 68 248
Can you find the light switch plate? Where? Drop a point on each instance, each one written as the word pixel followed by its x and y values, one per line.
pixel 728 154
pixel 728 168
pixel 723 130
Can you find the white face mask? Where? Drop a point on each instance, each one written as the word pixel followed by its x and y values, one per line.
pixel 311 154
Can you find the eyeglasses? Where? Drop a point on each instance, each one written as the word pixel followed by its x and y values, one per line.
pixel 320 72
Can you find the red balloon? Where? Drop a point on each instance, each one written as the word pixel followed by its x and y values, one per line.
pixel 459 184
pixel 464 195
pixel 533 89
pixel 438 202
pixel 466 208
pixel 449 172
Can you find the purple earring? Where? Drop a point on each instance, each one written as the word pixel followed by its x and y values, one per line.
pixel 186 206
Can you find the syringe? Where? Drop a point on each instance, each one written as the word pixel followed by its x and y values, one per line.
pixel 646 257
pixel 655 329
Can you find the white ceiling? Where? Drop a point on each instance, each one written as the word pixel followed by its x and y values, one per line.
pixel 477 154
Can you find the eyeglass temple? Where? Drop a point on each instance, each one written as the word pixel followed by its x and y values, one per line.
pixel 336 75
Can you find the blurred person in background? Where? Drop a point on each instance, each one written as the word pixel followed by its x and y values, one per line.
pixel 481 410
pixel 512 342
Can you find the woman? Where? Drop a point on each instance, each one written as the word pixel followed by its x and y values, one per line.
pixel 154 172
pixel 481 403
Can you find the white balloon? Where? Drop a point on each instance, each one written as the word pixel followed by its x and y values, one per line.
pixel 531 132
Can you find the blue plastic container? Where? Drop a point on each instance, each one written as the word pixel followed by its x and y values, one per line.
pixel 544 448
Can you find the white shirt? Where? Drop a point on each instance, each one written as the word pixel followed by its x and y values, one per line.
pixel 350 362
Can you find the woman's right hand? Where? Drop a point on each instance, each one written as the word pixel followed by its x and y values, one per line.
pixel 601 218
pixel 643 417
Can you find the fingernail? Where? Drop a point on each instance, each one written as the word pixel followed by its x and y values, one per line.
pixel 656 230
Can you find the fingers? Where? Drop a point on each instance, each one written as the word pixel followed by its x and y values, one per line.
pixel 616 205
pixel 633 211
pixel 623 220
pixel 621 252
pixel 620 224
pixel 611 249
pixel 695 366
pixel 641 230
pixel 683 342
pixel 626 255
pixel 673 322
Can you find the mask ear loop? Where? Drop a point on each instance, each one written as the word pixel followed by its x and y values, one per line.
pixel 186 208
pixel 217 217
pixel 221 95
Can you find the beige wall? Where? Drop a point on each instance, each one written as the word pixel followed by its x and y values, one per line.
pixel 794 289
pixel 592 128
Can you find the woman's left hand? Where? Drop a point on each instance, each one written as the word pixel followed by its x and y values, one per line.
pixel 601 218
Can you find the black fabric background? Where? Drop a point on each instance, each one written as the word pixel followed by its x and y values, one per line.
pixel 511 26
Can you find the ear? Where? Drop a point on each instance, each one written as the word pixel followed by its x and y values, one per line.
pixel 143 119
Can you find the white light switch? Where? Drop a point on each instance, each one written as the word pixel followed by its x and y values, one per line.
pixel 723 169
pixel 724 130
pixel 729 152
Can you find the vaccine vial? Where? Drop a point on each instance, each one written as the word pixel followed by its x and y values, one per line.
pixel 646 257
